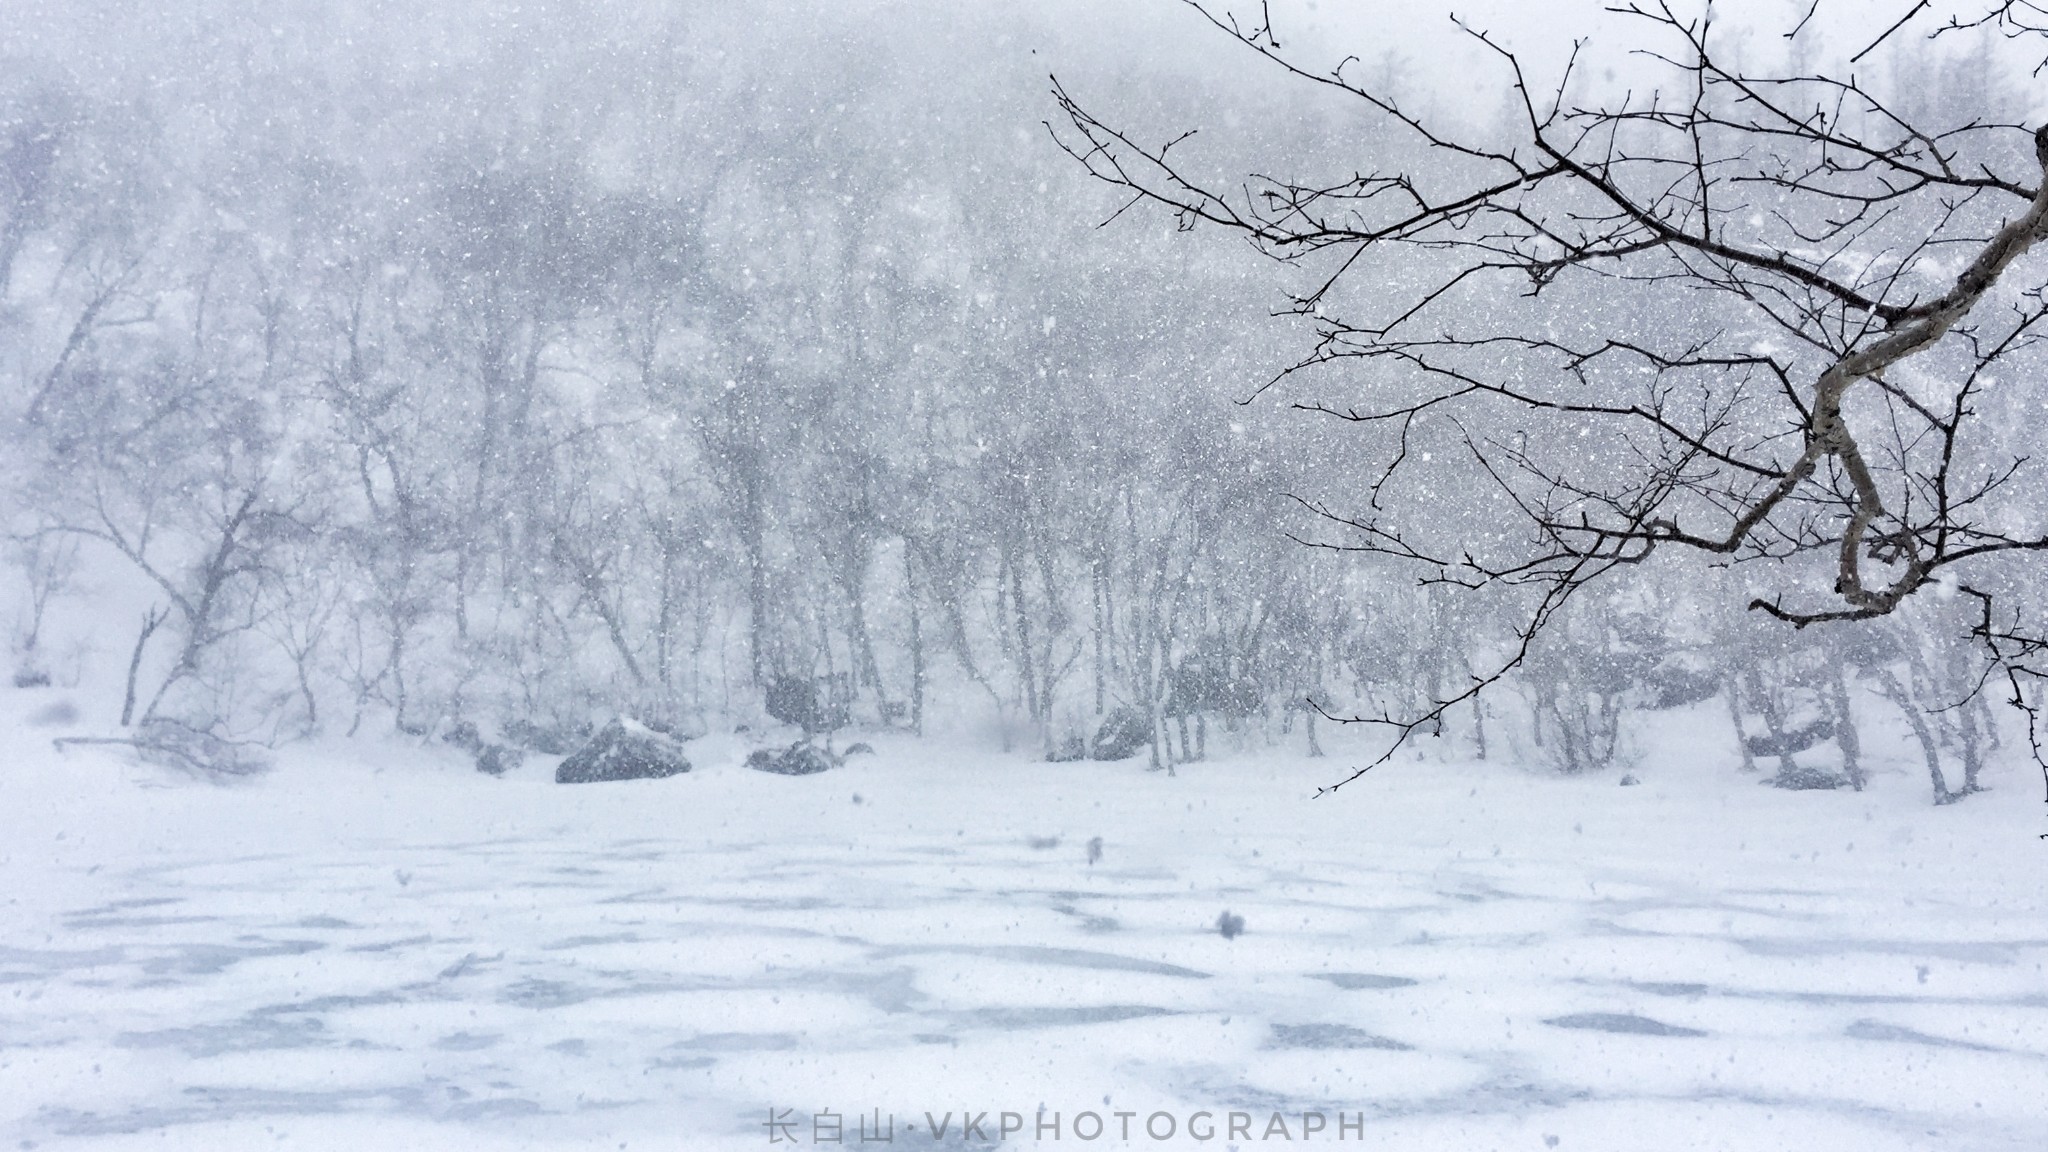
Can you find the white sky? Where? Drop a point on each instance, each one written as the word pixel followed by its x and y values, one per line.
pixel 1436 56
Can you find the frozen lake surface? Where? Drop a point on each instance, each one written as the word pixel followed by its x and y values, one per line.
pixel 375 948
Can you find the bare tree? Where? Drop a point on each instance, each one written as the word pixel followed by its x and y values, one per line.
pixel 48 565
pixel 1741 313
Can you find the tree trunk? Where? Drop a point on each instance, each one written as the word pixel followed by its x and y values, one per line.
pixel 1027 673
pixel 1731 692
pixel 916 644
pixel 1479 726
pixel 1845 727
pixel 752 533
pixel 664 619
pixel 150 623
pixel 1096 579
pixel 1929 747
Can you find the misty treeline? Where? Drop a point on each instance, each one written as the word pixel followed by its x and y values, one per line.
pixel 519 371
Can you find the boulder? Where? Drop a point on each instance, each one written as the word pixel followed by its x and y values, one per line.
pixel 799 759
pixel 497 759
pixel 669 726
pixel 1791 740
pixel 1799 778
pixel 1124 733
pixel 812 705
pixel 56 714
pixel 464 735
pixel 623 750
pixel 1073 747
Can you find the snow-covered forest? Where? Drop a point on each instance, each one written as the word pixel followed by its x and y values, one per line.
pixel 403 409
pixel 514 371
pixel 523 373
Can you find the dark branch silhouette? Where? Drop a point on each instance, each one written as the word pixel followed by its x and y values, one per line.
pixel 1749 315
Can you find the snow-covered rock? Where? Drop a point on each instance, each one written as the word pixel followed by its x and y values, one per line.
pixel 799 759
pixel 623 750
pixel 1124 733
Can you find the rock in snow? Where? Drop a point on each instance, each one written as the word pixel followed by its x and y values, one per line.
pixel 497 759
pixel 1124 733
pixel 799 759
pixel 623 750
pixel 1799 778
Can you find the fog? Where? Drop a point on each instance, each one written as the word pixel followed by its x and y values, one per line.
pixel 519 393
pixel 375 369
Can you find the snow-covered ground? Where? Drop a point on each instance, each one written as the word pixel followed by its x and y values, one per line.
pixel 376 948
